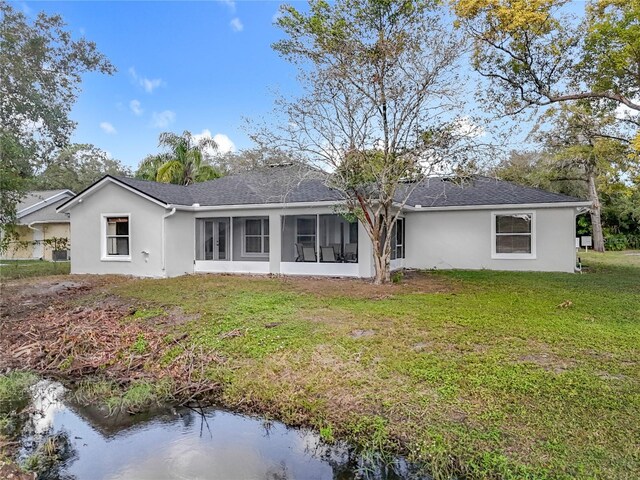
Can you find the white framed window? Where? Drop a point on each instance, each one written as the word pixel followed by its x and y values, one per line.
pixel 255 238
pixel 116 237
pixel 513 235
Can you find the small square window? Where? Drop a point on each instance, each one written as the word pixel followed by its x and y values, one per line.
pixel 513 235
pixel 117 238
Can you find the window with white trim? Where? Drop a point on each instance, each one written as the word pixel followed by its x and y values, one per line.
pixel 256 236
pixel 514 235
pixel 117 236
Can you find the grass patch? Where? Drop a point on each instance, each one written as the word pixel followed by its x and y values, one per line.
pixel 491 374
pixel 14 269
pixel 14 398
pixel 137 397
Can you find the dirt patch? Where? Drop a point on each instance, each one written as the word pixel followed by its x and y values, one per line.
pixel 548 361
pixel 362 333
pixel 413 282
pixel 10 471
pixel 174 316
pixel 610 376
pixel 422 346
pixel 24 297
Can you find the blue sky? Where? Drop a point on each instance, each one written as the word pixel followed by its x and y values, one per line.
pixel 197 66
pixel 202 66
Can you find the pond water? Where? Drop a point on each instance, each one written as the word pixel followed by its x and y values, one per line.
pixel 186 444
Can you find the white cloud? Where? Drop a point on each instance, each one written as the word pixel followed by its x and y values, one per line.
pixel 229 3
pixel 136 107
pixel 236 25
pixel 162 119
pixel 148 84
pixel 108 128
pixel 224 143
pixel 466 127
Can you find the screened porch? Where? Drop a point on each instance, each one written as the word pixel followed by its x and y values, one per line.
pixel 324 244
pixel 232 244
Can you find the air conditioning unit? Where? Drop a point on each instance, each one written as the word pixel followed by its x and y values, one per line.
pixel 60 255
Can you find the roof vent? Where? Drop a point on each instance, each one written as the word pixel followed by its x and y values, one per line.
pixel 280 164
pixel 195 205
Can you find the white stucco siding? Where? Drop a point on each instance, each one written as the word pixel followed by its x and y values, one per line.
pixel 463 239
pixel 179 243
pixel 144 230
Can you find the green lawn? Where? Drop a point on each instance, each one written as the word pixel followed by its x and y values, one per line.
pixel 12 269
pixel 488 374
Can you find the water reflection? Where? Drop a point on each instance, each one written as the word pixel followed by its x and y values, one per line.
pixel 185 444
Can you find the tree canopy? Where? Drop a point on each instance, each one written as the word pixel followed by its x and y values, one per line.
pixel 41 68
pixel 184 161
pixel 536 54
pixel 379 103
pixel 76 167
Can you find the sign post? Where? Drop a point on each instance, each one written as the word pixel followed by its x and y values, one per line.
pixel 586 242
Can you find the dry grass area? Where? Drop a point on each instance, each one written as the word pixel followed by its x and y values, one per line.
pixel 477 374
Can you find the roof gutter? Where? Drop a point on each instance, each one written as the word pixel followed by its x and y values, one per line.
pixel 205 208
pixel 505 206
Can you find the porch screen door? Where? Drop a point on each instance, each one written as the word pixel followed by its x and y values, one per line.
pixel 221 235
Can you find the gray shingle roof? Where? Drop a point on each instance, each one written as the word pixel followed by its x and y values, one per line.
pixel 479 190
pixel 37 196
pixel 46 214
pixel 293 184
pixel 165 192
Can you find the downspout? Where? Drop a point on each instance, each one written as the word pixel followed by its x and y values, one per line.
pixel 578 263
pixel 37 230
pixel 164 217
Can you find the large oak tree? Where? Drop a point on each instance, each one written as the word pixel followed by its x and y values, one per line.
pixel 378 109
pixel 41 68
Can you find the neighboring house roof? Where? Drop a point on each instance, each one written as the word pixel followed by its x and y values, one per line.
pixel 477 191
pixel 294 184
pixel 40 206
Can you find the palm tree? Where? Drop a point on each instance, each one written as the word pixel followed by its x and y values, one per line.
pixel 183 163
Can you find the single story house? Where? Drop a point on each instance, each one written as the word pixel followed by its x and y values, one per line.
pixel 38 223
pixel 286 220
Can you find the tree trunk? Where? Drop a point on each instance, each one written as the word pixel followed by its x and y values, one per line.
pixel 596 221
pixel 382 264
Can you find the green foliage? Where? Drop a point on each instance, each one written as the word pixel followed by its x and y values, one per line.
pixel 611 45
pixel 140 346
pixel 397 277
pixel 14 388
pixel 138 396
pixel 183 163
pixel 536 54
pixel 618 242
pixel 12 269
pixel 15 167
pixel 40 73
pixel 76 167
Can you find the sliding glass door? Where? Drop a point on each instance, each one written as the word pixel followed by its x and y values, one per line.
pixel 213 239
